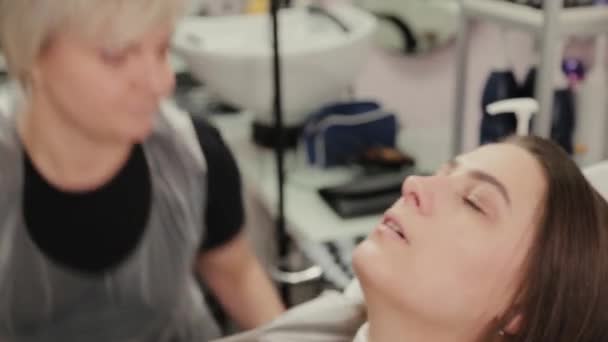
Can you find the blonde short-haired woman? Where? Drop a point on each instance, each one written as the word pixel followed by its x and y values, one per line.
pixel 111 201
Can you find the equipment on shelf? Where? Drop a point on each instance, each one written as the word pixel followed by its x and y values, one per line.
pixel 548 26
pixel 366 195
pixel 563 119
pixel 340 133
pixel 523 108
pixel 500 85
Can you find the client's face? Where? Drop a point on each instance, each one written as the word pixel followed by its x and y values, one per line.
pixel 449 252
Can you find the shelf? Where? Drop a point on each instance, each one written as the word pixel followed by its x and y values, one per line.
pixel 572 21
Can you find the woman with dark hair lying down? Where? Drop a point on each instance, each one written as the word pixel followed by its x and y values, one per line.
pixel 506 243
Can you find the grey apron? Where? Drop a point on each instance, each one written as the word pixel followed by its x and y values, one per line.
pixel 152 297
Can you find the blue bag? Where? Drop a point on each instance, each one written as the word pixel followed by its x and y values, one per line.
pixel 339 134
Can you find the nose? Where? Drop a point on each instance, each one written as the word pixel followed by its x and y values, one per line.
pixel 157 77
pixel 421 192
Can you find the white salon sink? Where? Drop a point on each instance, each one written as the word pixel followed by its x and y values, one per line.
pixel 233 56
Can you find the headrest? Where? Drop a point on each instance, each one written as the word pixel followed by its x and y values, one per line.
pixel 598 177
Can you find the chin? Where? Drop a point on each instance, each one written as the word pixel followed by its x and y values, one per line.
pixel 369 263
pixel 382 279
pixel 375 264
pixel 374 272
pixel 138 131
pixel 141 136
pixel 129 136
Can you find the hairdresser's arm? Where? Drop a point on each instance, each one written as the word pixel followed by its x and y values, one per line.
pixel 237 279
pixel 227 262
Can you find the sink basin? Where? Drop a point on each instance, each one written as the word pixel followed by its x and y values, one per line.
pixel 232 55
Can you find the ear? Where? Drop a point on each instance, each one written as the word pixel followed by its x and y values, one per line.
pixel 514 325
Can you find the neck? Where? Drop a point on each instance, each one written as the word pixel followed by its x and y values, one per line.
pixel 390 324
pixel 67 157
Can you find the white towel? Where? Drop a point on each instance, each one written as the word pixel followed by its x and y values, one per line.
pixel 332 317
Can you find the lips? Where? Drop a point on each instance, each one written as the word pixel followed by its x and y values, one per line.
pixel 394 227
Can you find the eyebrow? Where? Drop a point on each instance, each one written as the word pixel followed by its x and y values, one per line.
pixel 484 177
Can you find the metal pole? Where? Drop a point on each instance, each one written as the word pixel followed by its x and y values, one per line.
pixel 282 237
pixel 458 124
pixel 550 55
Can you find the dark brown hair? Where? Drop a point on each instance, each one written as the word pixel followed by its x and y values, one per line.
pixel 564 294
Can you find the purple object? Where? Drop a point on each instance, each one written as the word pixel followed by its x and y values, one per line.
pixel 575 70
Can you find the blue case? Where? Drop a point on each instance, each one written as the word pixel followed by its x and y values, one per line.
pixel 338 134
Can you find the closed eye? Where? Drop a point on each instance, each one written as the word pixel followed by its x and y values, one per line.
pixel 471 204
pixel 115 57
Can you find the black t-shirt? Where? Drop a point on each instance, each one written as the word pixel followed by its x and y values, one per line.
pixel 96 231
